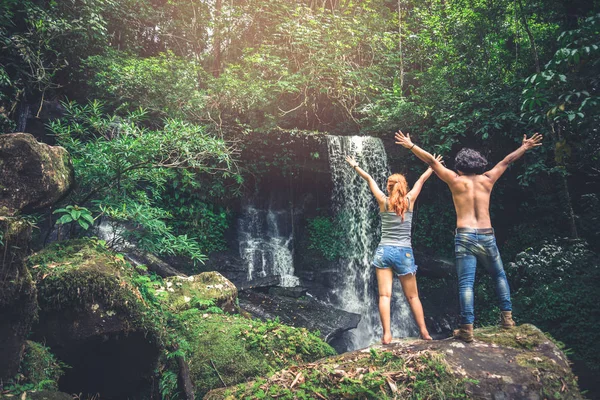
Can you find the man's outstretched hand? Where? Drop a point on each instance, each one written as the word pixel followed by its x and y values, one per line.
pixel 534 141
pixel 403 139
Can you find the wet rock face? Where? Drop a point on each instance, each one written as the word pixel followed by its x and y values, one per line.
pixel 521 363
pixel 182 293
pixel 33 175
pixel 303 312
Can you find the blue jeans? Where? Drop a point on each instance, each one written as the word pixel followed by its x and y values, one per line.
pixel 471 248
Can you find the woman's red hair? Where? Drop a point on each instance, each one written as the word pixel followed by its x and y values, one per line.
pixel 397 189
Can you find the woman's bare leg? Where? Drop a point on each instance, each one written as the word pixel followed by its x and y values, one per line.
pixel 409 286
pixel 385 279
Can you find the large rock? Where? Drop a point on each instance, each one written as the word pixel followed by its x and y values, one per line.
pixel 205 289
pixel 47 395
pixel 302 312
pixel 18 304
pixel 518 364
pixel 32 174
pixel 94 319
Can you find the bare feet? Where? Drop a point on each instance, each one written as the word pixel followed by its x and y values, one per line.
pixel 425 336
pixel 387 338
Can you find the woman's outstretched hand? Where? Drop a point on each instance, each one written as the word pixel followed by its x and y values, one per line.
pixel 351 161
pixel 403 139
pixel 438 158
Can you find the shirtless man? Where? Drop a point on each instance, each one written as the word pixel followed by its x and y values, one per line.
pixel 471 187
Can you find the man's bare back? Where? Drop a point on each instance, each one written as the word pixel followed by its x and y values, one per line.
pixel 471 195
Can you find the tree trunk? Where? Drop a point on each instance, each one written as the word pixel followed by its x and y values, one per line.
pixel 185 382
pixel 400 46
pixel 217 42
pixel 570 212
pixel 531 39
pixel 564 186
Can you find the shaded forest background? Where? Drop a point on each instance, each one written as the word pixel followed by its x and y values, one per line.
pixel 156 99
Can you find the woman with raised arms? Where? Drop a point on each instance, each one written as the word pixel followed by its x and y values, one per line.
pixel 394 255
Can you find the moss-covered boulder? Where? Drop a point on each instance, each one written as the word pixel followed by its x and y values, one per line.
pixel 47 395
pixel 94 319
pixel 522 363
pixel 32 174
pixel 223 349
pixel 200 291
pixel 17 293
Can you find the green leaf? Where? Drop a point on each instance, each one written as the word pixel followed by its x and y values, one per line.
pixel 83 224
pixel 88 217
pixel 65 219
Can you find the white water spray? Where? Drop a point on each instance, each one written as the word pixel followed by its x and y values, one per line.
pixel 264 246
pixel 353 201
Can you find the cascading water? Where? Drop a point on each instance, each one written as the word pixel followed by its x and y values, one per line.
pixel 266 244
pixel 354 203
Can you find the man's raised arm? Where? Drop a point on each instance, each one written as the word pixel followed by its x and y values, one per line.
pixel 495 173
pixel 444 173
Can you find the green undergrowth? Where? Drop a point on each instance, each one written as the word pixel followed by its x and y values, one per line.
pixel 398 373
pixel 225 349
pixel 557 382
pixel 524 336
pixel 39 370
pixel 218 347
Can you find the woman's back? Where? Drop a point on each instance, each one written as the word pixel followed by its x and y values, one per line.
pixel 394 230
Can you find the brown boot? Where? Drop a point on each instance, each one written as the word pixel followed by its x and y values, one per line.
pixel 506 321
pixel 465 333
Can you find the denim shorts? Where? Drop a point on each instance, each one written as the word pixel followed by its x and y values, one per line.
pixel 400 259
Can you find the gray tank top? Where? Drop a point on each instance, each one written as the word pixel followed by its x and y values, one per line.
pixel 394 231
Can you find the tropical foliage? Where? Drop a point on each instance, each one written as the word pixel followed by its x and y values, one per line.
pixel 155 98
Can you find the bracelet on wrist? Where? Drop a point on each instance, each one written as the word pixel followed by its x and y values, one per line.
pixel 411 147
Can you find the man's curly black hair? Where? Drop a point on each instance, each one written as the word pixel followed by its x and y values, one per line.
pixel 469 161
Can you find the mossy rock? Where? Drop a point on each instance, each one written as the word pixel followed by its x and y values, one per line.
pixel 504 366
pixel 82 275
pixel 48 395
pixel 525 336
pixel 200 291
pixel 15 235
pixel 90 309
pixel 39 370
pixel 40 395
pixel 229 349
pixel 40 366
pixel 33 175
pixel 18 304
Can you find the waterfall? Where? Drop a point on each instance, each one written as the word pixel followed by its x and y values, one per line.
pixel 354 202
pixel 22 116
pixel 266 244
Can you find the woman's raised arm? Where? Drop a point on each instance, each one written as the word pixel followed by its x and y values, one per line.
pixel 379 195
pixel 416 189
